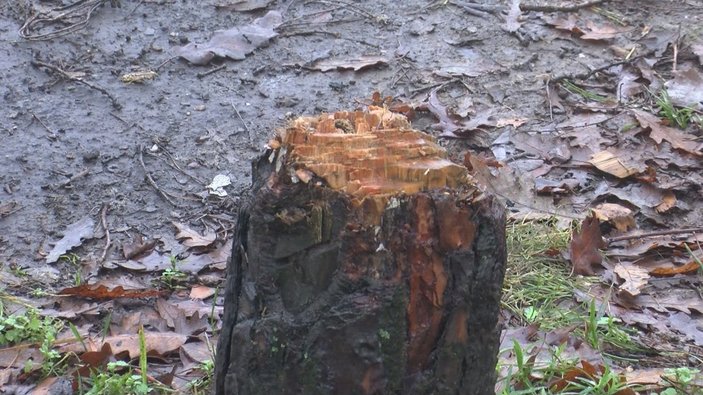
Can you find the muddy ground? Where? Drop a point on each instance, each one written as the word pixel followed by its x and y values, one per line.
pixel 69 150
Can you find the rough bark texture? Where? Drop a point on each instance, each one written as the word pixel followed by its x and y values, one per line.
pixel 332 291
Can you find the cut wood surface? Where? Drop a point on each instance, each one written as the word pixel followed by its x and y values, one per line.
pixel 365 262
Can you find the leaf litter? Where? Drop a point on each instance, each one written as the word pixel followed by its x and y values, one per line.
pixel 235 43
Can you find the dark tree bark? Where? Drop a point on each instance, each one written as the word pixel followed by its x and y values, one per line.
pixel 363 279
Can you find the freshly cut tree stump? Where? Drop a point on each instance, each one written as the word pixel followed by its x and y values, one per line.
pixel 365 262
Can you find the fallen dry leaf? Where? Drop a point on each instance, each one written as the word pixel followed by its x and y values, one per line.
pixel 601 32
pixel 585 247
pixel 354 63
pixel 16 356
pixel 235 43
pixel 686 89
pixel 137 247
pixel 568 23
pixel 191 238
pixel 201 292
pixel 673 299
pixel 93 360
pixel 689 326
pixel 671 270
pixel 650 376
pixel 635 277
pixel 658 132
pixel 73 237
pixel 586 31
pixel 46 386
pixel 620 216
pixel 607 162
pixel 243 5
pixel 178 319
pixel 103 292
pixel 161 344
pixel 668 202
pixel 150 263
pixel 514 122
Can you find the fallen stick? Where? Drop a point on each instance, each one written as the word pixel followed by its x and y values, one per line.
pixel 69 77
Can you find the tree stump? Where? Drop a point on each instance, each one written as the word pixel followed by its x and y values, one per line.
pixel 365 262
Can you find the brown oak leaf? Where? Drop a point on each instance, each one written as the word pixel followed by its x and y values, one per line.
pixel 585 246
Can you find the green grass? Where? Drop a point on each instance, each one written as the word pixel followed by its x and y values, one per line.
pixel 29 326
pixel 120 378
pixel 586 94
pixel 539 288
pixel 680 117
pixel 537 280
pixel 173 277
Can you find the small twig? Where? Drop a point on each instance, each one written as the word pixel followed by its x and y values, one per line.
pixel 654 234
pixel 333 34
pixel 251 139
pixel 438 85
pixel 80 10
pixel 585 76
pixel 175 165
pixel 216 69
pixel 552 8
pixel 76 176
pixel 69 77
pixel 135 8
pixel 287 7
pixel 290 21
pixel 151 180
pixel 351 6
pixel 162 64
pixel 549 100
pixel 472 9
pixel 676 50
pixel 119 118
pixel 103 221
pixel 53 135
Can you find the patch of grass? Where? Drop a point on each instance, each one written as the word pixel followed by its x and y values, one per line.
pixel 558 374
pixel 537 280
pixel 539 288
pixel 607 382
pixel 202 385
pixel 18 271
pixel 75 261
pixel 30 327
pixel 680 117
pixel 586 94
pixel 172 277
pixel 26 327
pixel 119 378
pixel 682 381
pixel 614 17
pixel 603 330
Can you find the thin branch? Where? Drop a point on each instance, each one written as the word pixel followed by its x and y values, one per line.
pixel 151 180
pixel 216 69
pixel 251 139
pixel 76 176
pixel 654 234
pixel 69 77
pixel 553 8
pixel 328 33
pixel 103 222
